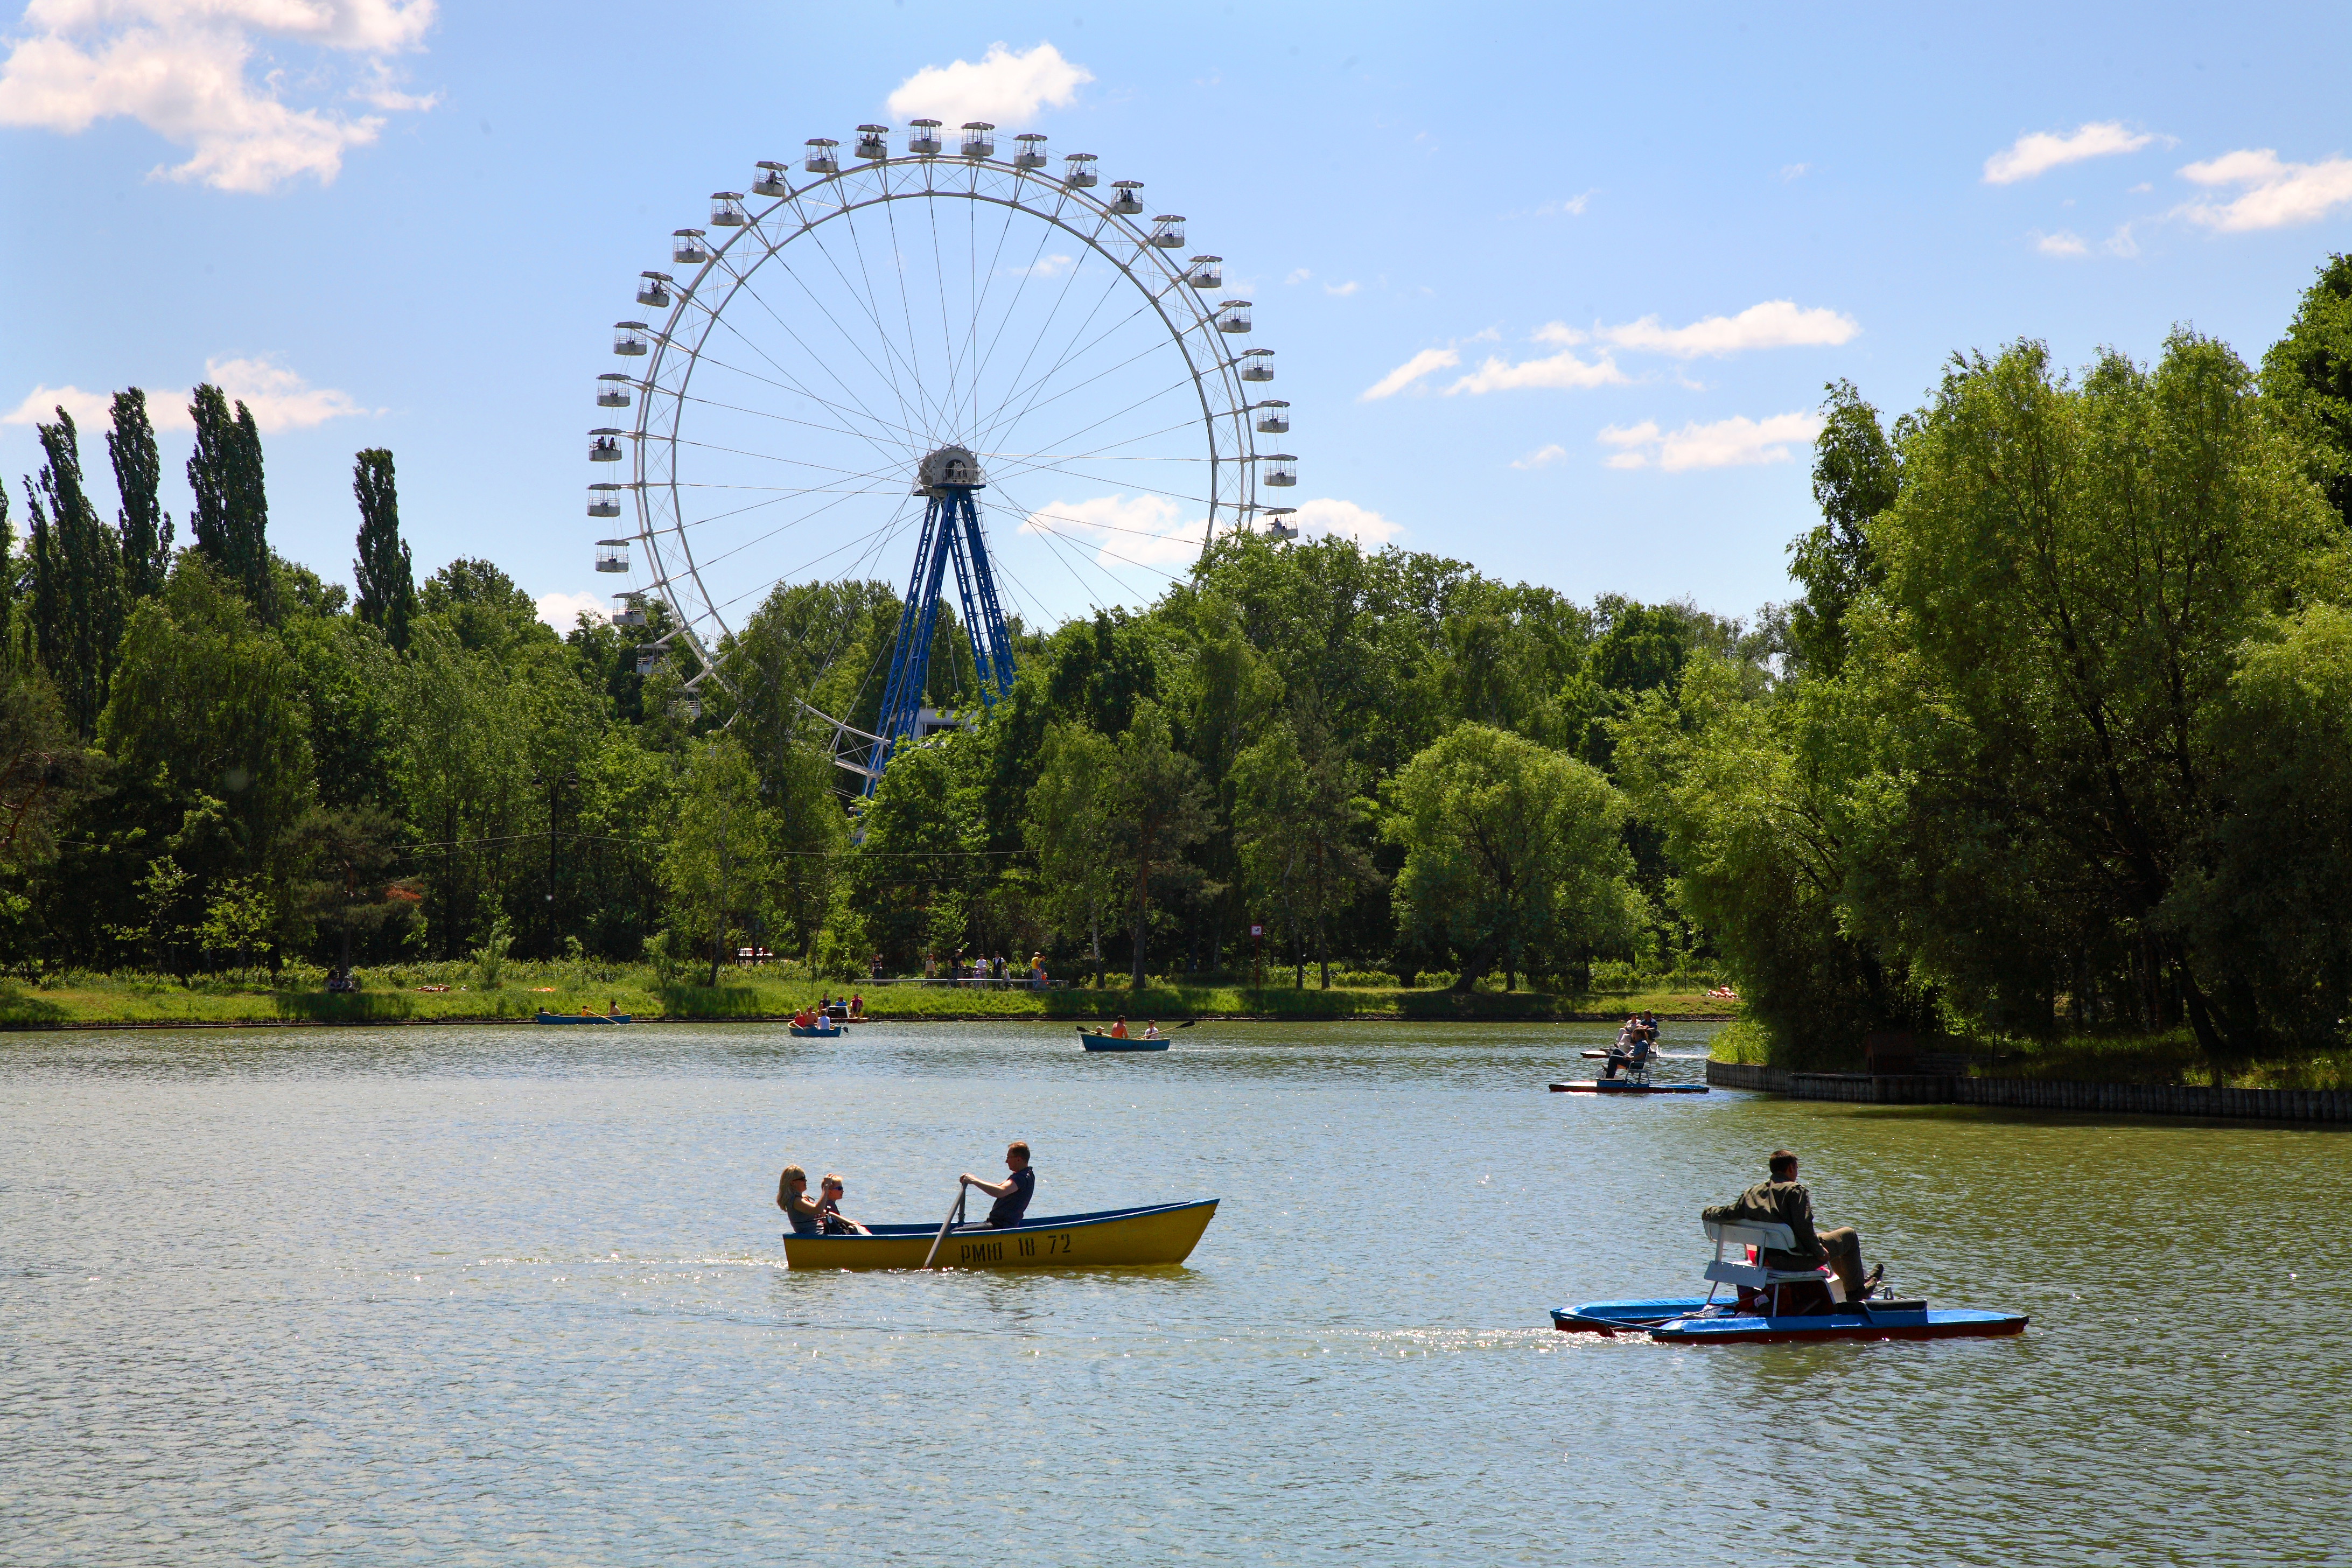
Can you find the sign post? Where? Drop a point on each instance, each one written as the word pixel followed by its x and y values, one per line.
pixel 1258 955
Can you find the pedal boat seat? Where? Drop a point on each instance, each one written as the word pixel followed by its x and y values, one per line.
pixel 1763 1235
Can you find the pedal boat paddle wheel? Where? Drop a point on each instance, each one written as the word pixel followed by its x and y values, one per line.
pixel 1776 1306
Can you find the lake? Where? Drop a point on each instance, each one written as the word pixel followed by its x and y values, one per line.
pixel 516 1295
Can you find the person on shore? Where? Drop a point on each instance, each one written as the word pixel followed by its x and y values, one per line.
pixel 1011 1195
pixel 829 1213
pixel 1119 1028
pixel 792 1196
pixel 1783 1200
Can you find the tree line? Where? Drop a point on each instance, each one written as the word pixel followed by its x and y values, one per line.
pixel 2048 741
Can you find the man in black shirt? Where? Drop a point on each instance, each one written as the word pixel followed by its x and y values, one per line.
pixel 1783 1200
pixel 1011 1195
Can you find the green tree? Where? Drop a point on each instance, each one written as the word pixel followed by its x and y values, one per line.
pixel 1857 474
pixel 2307 381
pixel 719 865
pixel 387 592
pixel 1070 828
pixel 145 528
pixel 1514 856
pixel 1159 809
pixel 231 520
pixel 1298 821
pixel 77 572
pixel 462 769
pixel 2069 577
pixel 483 607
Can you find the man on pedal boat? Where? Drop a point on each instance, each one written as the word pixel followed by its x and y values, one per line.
pixel 1783 1200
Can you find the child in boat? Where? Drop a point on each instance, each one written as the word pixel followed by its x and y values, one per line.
pixel 792 1196
pixel 1013 1194
pixel 829 1213
pixel 1151 1030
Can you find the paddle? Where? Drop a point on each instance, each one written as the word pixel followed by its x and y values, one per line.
pixel 952 1213
pixel 1187 1023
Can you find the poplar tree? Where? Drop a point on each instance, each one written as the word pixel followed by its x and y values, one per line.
pixel 231 522
pixel 387 596
pixel 80 602
pixel 145 528
pixel 8 570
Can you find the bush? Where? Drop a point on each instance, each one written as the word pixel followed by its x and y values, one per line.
pixel 1369 979
pixel 490 958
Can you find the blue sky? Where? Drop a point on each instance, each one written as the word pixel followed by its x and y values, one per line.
pixel 1553 289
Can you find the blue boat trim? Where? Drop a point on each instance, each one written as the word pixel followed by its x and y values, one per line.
pixel 1687 1320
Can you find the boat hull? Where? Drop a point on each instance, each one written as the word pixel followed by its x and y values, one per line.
pixel 582 1018
pixel 1097 1042
pixel 1109 1238
pixel 1674 1321
pixel 1606 1087
pixel 801 1032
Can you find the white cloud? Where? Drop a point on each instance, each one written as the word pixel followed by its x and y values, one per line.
pixel 2063 243
pixel 2043 151
pixel 1795 171
pixel 562 611
pixel 2276 194
pixel 1299 275
pixel 1728 443
pixel 1001 87
pixel 1411 371
pixel 41 406
pixel 1774 324
pixel 1328 514
pixel 1542 457
pixel 279 398
pixel 1561 370
pixel 1043 267
pixel 1559 334
pixel 1342 290
pixel 1149 531
pixel 179 67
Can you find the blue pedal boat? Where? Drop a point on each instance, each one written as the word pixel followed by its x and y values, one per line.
pixel 1095 1041
pixel 1770 1306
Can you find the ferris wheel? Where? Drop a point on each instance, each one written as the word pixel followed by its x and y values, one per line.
pixel 879 366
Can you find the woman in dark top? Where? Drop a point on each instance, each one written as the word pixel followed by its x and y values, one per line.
pixel 792 1196
pixel 1011 1195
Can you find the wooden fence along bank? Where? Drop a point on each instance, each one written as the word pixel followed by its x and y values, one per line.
pixel 2033 1094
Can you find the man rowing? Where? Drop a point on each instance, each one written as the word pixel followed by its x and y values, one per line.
pixel 1783 1200
pixel 1013 1194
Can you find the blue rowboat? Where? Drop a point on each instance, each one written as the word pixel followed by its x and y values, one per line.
pixel 810 1032
pixel 546 1017
pixel 1155 1233
pixel 1095 1041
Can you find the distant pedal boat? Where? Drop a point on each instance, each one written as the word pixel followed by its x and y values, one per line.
pixel 1095 1041
pixel 1626 1085
pixel 1155 1234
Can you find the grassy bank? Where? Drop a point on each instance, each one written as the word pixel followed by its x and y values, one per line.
pixel 2171 1057
pixel 415 995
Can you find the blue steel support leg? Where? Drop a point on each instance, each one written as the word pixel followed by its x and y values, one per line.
pixel 910 655
pixel 997 669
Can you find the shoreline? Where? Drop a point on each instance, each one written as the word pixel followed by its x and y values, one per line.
pixel 88 1025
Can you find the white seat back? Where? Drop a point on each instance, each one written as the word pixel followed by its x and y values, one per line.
pixel 1750 1233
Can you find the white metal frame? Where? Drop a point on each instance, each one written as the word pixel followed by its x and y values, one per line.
pixel 700 299
pixel 1763 1235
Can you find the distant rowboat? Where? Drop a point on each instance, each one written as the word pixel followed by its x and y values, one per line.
pixel 1157 1233
pixel 546 1017
pixel 1095 1041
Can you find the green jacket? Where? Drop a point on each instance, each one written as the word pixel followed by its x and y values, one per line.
pixel 1776 1203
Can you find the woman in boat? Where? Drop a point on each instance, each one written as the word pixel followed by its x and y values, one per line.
pixel 792 1196
pixel 829 1213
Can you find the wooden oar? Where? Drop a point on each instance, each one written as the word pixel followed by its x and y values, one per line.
pixel 934 1252
pixel 1187 1023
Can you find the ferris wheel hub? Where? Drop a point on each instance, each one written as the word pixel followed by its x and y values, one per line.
pixel 948 469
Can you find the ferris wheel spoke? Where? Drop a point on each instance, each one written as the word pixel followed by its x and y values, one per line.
pixel 863 290
pixel 907 314
pixel 850 430
pixel 773 314
pixel 800 390
pixel 1045 233
pixel 1070 353
pixel 1109 370
pixel 1184 424
pixel 1061 298
pixel 778 457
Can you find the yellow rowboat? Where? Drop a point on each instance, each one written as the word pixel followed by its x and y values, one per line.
pixel 1158 1233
